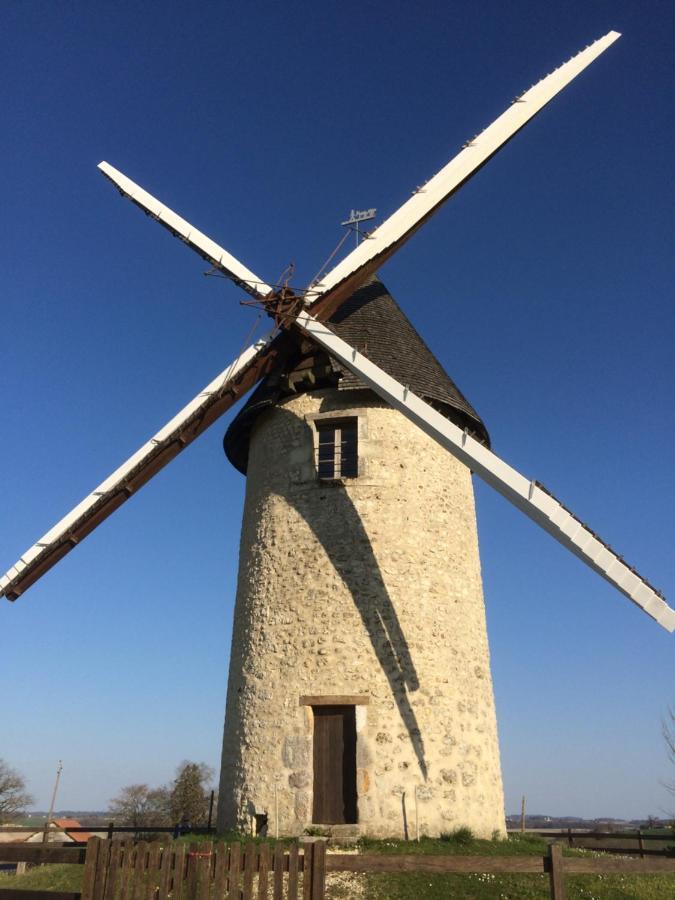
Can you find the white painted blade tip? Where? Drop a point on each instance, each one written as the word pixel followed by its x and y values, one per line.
pixel 112 173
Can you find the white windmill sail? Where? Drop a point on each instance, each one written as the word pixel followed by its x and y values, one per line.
pixel 193 237
pixel 325 296
pixel 425 201
pixel 156 453
pixel 322 299
pixel 527 495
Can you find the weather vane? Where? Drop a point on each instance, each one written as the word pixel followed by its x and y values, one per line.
pixel 355 217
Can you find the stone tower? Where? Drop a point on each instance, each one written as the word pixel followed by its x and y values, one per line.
pixel 359 673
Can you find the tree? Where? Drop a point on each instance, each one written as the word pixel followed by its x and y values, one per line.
pixel 186 799
pixel 13 795
pixel 141 805
pixel 190 793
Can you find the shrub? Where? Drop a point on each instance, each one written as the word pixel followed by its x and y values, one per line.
pixel 460 836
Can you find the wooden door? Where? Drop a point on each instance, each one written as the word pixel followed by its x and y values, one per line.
pixel 334 765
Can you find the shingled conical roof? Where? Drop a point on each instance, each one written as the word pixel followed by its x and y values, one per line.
pixel 371 321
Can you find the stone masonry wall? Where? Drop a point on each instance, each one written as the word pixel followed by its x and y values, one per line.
pixel 367 587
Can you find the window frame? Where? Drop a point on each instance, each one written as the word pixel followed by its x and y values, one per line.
pixel 336 424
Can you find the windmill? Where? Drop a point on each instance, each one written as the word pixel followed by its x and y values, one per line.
pixel 348 737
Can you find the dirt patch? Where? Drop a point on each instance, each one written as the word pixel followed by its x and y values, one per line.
pixel 345 886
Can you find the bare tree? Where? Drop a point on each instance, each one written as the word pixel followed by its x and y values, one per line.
pixel 141 805
pixel 13 795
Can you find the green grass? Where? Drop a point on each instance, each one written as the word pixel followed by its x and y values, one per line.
pixel 461 843
pixel 65 877
pixel 516 887
pixel 500 887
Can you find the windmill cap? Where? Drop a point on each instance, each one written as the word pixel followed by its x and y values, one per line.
pixel 372 322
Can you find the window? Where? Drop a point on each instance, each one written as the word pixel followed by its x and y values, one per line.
pixel 337 448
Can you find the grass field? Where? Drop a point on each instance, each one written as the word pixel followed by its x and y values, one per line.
pixel 429 887
pixel 67 877
pixel 497 887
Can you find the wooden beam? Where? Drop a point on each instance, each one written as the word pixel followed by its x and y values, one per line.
pixel 14 894
pixel 41 853
pixel 343 862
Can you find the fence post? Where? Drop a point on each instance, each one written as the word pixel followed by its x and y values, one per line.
pixel 556 871
pixel 111 826
pixel 641 844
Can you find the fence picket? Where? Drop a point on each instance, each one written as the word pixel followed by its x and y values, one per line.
pixel 178 879
pixel 114 863
pixel 164 879
pixel 249 870
pixel 307 860
pixel 153 872
pixel 125 875
pixel 235 866
pixel 279 873
pixel 139 871
pixel 191 871
pixel 293 872
pixel 263 871
pixel 204 860
pixel 90 867
pixel 101 871
pixel 318 874
pixel 221 854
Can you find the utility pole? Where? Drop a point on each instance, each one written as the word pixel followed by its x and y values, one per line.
pixel 59 769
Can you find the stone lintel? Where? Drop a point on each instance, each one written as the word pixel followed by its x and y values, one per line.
pixel 334 700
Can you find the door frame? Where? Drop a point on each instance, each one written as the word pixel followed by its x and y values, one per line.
pixel 337 700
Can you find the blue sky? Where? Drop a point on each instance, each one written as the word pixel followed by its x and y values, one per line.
pixel 544 287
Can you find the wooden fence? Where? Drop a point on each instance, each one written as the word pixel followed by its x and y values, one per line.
pixel 124 870
pixel 555 865
pixel 643 843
